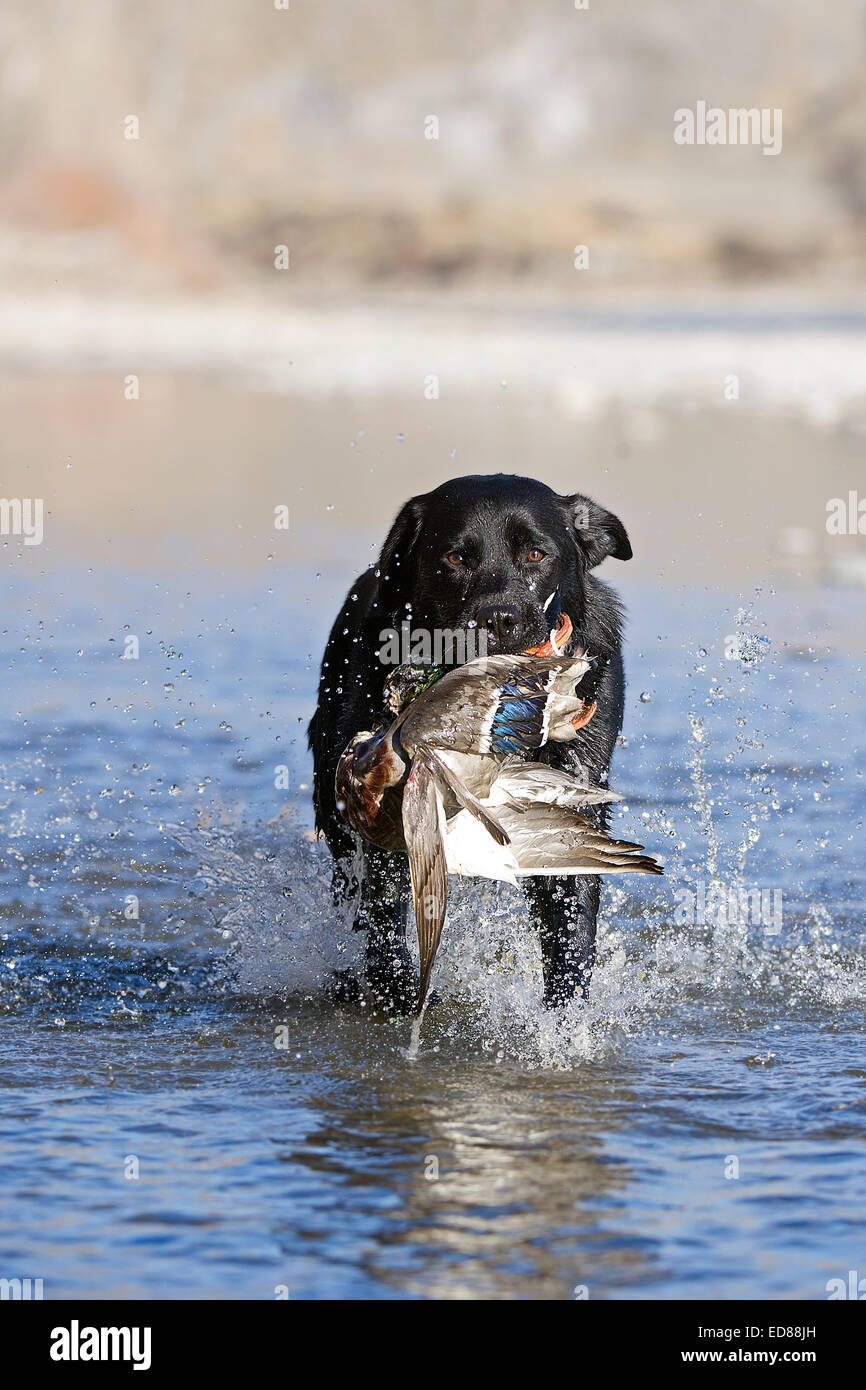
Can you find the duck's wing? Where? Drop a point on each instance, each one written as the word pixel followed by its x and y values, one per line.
pixel 423 836
pixel 462 794
pixel 550 839
pixel 500 705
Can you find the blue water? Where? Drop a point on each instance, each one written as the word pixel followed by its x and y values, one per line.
pixel 183 1111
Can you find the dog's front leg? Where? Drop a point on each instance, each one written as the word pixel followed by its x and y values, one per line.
pixel 565 912
pixel 384 898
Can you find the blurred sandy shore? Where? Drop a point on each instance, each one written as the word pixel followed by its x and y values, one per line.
pixel 187 476
pixel 810 364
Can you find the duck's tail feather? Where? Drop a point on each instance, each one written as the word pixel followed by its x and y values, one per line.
pixel 551 839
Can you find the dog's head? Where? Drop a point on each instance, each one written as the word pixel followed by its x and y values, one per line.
pixel 500 552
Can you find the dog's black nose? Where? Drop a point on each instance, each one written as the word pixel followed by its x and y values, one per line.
pixel 500 619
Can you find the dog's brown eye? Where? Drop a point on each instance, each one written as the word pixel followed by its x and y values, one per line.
pixel 534 555
pixel 454 557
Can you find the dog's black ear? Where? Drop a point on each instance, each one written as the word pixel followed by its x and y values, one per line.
pixel 395 564
pixel 598 532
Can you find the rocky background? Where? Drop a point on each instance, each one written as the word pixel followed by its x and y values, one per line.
pixel 307 127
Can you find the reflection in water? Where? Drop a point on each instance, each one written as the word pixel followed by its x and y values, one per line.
pixel 471 1177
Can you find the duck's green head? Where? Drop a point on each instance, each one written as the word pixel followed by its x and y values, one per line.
pixel 407 682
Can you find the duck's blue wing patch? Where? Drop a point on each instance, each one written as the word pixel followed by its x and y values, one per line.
pixel 518 722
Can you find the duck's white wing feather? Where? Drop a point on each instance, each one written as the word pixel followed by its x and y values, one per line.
pixel 520 781
pixel 440 769
pixel 472 853
pixel 477 771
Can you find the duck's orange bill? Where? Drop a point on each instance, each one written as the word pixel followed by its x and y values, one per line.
pixel 556 642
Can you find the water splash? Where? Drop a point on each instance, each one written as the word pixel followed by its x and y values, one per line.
pixel 285 935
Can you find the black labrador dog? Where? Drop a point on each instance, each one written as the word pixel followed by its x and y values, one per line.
pixel 491 551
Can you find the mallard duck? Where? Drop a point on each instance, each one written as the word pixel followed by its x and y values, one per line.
pixel 449 783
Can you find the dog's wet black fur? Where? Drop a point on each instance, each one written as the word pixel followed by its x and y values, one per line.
pixel 490 550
